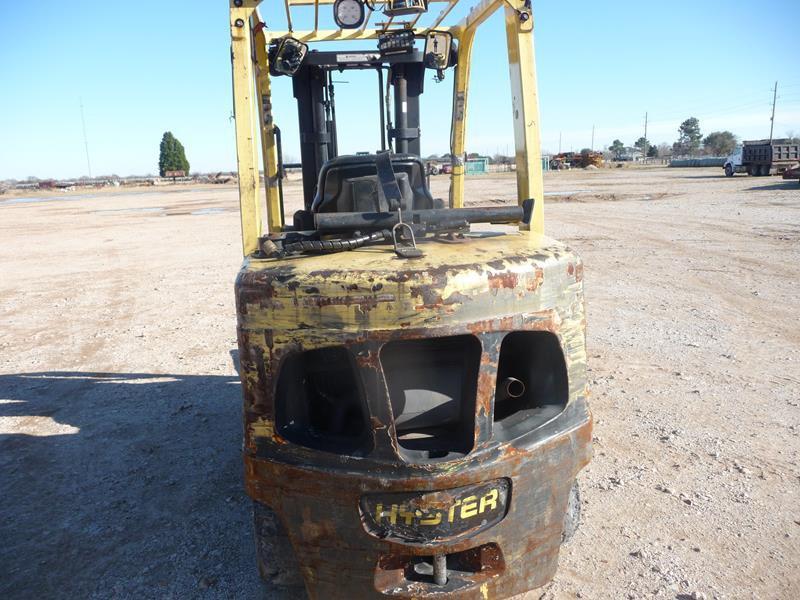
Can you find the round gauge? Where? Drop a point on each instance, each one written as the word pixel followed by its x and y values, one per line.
pixel 348 14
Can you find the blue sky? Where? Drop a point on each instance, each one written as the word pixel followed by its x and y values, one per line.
pixel 141 68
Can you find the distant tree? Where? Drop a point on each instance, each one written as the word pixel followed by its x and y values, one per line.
pixel 642 145
pixel 793 137
pixel 664 149
pixel 172 156
pixel 689 137
pixel 617 148
pixel 652 151
pixel 719 143
pixel 473 155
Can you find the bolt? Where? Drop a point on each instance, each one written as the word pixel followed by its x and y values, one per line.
pixel 238 3
pixel 239 22
pixel 523 16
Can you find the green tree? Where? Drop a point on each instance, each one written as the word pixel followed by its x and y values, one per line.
pixel 642 144
pixel 652 152
pixel 689 137
pixel 617 148
pixel 720 143
pixel 172 156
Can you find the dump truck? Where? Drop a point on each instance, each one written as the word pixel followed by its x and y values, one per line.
pixel 763 157
pixel 413 369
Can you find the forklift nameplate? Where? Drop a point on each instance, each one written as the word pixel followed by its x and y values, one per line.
pixel 432 516
pixel 356 58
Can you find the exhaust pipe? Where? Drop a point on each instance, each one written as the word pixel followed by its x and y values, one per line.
pixel 513 387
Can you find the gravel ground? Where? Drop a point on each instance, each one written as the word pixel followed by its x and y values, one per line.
pixel 119 401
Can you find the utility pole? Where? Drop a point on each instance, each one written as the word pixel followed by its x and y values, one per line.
pixel 592 148
pixel 559 142
pixel 645 149
pixel 85 141
pixel 772 118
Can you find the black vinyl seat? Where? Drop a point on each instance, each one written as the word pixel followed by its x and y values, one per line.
pixel 351 184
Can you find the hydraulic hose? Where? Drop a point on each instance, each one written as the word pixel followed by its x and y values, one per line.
pixel 339 245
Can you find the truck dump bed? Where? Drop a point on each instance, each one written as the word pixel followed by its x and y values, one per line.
pixel 777 152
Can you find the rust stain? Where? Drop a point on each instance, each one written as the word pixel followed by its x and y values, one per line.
pixel 534 280
pixel 431 297
pixel 315 531
pixel 503 280
pixel 579 272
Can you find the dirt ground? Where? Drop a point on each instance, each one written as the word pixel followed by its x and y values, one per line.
pixel 120 471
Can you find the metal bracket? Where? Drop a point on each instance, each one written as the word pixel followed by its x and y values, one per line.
pixel 403 248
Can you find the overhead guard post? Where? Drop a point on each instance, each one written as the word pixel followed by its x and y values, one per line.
pixel 246 124
pixel 525 109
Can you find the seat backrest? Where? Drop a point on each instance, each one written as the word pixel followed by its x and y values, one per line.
pixel 350 184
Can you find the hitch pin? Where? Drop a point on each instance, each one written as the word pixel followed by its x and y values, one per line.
pixel 440 569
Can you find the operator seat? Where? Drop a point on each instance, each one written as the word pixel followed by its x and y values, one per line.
pixel 351 184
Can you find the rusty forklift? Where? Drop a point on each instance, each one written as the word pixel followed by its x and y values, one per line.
pixel 413 369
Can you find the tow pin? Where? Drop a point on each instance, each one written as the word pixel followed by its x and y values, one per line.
pixel 440 569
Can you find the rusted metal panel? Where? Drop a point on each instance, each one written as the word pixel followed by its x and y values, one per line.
pixel 486 287
pixel 340 558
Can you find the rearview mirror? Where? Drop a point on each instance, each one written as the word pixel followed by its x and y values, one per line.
pixel 287 57
pixel 437 50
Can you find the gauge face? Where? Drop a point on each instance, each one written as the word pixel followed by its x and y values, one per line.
pixel 348 14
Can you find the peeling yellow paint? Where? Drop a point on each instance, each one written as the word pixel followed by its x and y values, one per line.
pixel 502 282
pixel 262 428
pixel 374 290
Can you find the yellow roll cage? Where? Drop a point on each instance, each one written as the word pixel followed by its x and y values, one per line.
pixel 250 39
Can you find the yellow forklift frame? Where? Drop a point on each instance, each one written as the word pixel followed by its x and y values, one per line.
pixel 414 417
pixel 250 40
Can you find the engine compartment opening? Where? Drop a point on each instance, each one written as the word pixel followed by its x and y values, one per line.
pixel 531 384
pixel 319 403
pixel 432 385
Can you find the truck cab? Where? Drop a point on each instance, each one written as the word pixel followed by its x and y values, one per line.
pixel 733 163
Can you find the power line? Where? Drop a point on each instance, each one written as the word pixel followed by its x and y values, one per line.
pixel 705 107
